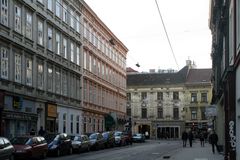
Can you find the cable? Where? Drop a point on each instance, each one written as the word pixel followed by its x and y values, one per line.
pixel 167 34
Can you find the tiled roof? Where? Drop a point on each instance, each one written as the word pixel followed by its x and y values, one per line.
pixel 129 69
pixel 199 76
pixel 157 78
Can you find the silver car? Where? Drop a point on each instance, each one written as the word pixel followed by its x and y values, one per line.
pixel 6 149
pixel 81 143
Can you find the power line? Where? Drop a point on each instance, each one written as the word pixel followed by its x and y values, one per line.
pixel 167 34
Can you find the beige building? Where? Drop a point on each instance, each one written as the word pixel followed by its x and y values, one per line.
pixel 159 103
pixel 104 75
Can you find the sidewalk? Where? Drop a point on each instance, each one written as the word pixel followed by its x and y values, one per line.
pixel 196 153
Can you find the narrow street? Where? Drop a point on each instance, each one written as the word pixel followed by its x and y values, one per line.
pixel 150 150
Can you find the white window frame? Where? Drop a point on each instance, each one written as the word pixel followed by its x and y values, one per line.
pixel 29 71
pixel 78 56
pixel 40 76
pixel 18 68
pixel 64 12
pixel 50 5
pixel 4 63
pixel 78 23
pixel 50 38
pixel 58 8
pixel 85 60
pixel 58 38
pixel 65 48
pixel 18 19
pixel 72 52
pixel 85 29
pixel 50 79
pixel 231 34
pixel 40 32
pixel 58 81
pixel 64 83
pixel 4 12
pixel 28 29
pixel 72 20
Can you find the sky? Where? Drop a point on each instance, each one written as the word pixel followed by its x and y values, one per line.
pixel 138 26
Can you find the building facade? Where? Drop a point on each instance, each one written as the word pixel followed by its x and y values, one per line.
pixel 225 27
pixel 160 103
pixel 104 75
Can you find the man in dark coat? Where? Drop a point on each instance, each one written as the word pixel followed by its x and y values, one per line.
pixel 190 137
pixel 213 139
pixel 184 138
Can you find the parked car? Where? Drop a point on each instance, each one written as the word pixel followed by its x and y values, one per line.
pixel 6 149
pixel 120 139
pixel 128 137
pixel 61 144
pixel 29 147
pixel 97 141
pixel 109 139
pixel 138 137
pixel 81 143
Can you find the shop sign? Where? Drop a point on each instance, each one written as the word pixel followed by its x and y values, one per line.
pixel 52 110
pixel 17 102
pixel 19 116
pixel 232 135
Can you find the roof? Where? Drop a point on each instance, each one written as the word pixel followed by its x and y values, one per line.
pixel 199 76
pixel 157 78
pixel 129 69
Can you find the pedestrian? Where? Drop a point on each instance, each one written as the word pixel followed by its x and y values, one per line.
pixel 190 137
pixel 205 136
pixel 32 132
pixel 213 140
pixel 201 137
pixel 41 132
pixel 184 138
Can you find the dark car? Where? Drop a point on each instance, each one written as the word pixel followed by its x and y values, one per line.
pixel 120 139
pixel 81 143
pixel 138 137
pixel 97 141
pixel 61 144
pixel 6 149
pixel 29 147
pixel 109 139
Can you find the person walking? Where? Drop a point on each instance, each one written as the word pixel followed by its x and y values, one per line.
pixel 41 132
pixel 184 138
pixel 213 140
pixel 201 137
pixel 190 137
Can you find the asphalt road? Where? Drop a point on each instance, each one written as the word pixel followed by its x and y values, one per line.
pixel 150 150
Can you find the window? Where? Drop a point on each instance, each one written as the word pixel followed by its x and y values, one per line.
pixel 72 18
pixel 64 48
pixel 18 68
pixel 203 110
pixel 64 122
pixel 64 12
pixel 77 124
pixel 64 83
pixel 78 56
pixel 28 31
pixel 58 43
pixel 29 72
pixel 128 96
pixel 50 5
pixel 175 113
pixel 72 52
pixel 231 34
pixel 50 79
pixel 58 81
pixel 71 126
pixel 144 112
pixel 40 32
pixel 4 12
pixel 50 39
pixel 160 112
pixel 159 96
pixel 143 96
pixel 40 76
pixel 4 63
pixel 18 25
pixel 85 29
pixel 194 114
pixel 193 97
pixel 58 8
pixel 203 97
pixel 78 23
pixel 129 111
pixel 90 63
pixel 84 125
pixel 175 96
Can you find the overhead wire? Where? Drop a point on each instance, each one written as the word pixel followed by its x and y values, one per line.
pixel 166 33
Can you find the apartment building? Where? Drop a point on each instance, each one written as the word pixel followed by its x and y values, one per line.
pixel 104 75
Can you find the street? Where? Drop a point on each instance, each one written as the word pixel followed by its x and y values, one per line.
pixel 150 150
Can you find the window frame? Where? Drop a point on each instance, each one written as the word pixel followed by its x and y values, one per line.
pixel 17 18
pixel 4 12
pixel 29 71
pixel 58 43
pixel 4 57
pixel 50 38
pixel 28 26
pixel 18 67
pixel 40 32
pixel 40 72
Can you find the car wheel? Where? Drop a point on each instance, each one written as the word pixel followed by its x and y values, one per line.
pixel 44 155
pixel 11 157
pixel 58 153
pixel 70 150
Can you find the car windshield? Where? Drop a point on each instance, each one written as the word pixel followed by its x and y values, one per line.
pixel 21 141
pixel 77 138
pixel 93 136
pixel 105 135
pixel 118 133
pixel 137 135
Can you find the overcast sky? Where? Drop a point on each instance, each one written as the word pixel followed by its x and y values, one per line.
pixel 138 25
